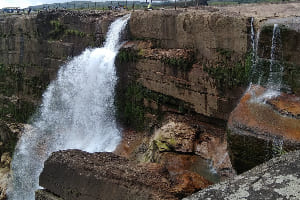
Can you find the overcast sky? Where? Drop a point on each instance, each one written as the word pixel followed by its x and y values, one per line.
pixel 26 3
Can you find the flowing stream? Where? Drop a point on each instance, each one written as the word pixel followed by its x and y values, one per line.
pixel 77 113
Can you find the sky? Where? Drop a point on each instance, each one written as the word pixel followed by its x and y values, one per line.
pixel 26 3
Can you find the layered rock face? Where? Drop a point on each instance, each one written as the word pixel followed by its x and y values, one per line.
pixel 265 124
pixel 33 47
pixel 193 61
pixel 74 174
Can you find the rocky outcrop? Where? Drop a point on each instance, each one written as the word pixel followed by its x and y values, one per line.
pixel 183 146
pixel 258 131
pixel 74 174
pixel 191 58
pixel 278 178
pixel 33 47
pixel 4 178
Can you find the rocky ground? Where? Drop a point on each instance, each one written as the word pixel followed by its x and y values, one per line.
pixel 278 178
pixel 181 144
pixel 74 174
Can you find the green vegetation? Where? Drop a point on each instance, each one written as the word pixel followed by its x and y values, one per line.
pixel 60 30
pixel 13 83
pixel 130 108
pixel 183 64
pixel 74 32
pixel 229 77
pixel 128 55
pixel 131 105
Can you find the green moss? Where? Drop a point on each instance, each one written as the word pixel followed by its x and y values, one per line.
pixel 20 111
pixel 131 109
pixel 227 53
pixel 128 55
pixel 230 77
pixel 162 146
pixel 74 32
pixel 59 29
pixel 183 64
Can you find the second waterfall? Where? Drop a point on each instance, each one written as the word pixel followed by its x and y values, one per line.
pixel 77 113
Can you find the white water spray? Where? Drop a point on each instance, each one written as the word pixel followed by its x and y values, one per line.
pixel 276 69
pixel 274 82
pixel 77 113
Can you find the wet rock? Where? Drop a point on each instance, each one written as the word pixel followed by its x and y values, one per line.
pixel 286 105
pixel 5 132
pixel 6 159
pixel 215 150
pixel 4 178
pixel 278 178
pixel 259 131
pixel 45 195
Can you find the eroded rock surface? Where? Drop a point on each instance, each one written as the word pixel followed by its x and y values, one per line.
pixel 74 174
pixel 278 178
pixel 259 131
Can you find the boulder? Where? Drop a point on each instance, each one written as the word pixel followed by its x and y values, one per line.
pixel 74 174
pixel 173 136
pixel 262 127
pixel 278 178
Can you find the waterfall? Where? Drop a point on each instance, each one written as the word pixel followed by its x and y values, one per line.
pixel 254 76
pixel 276 69
pixel 77 113
pixel 273 84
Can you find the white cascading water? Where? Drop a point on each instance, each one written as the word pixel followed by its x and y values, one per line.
pixel 274 81
pixel 276 69
pixel 77 113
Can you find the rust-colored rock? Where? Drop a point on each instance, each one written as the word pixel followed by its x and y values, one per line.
pixel 190 182
pixel 259 131
pixel 287 105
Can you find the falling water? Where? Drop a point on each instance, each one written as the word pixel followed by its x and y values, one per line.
pixel 276 69
pixel 76 113
pixel 274 81
pixel 255 74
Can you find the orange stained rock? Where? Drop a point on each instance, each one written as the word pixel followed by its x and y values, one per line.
pixel 263 119
pixel 287 104
pixel 189 182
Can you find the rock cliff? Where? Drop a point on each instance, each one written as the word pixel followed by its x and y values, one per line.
pixel 193 65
